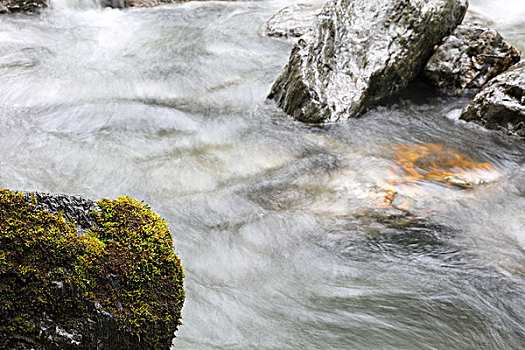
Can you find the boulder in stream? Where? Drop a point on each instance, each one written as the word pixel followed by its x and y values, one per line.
pixel 500 105
pixel 359 52
pixel 471 56
pixel 79 274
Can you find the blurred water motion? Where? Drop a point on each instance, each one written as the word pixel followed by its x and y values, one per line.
pixel 403 229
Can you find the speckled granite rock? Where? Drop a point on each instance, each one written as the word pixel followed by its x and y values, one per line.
pixel 500 105
pixel 78 274
pixel 471 56
pixel 359 52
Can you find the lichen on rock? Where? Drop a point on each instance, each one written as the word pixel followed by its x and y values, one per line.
pixel 118 285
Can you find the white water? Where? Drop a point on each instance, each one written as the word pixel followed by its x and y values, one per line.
pixel 282 245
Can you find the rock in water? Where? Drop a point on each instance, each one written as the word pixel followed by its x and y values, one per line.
pixel 292 21
pixel 79 274
pixel 468 59
pixel 7 6
pixel 500 105
pixel 359 52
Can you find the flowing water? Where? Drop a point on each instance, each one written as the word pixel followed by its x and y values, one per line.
pixel 290 234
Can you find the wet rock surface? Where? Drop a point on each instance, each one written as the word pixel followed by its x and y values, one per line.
pixel 412 177
pixel 292 21
pixel 113 284
pixel 471 56
pixel 73 208
pixel 500 105
pixel 7 6
pixel 360 52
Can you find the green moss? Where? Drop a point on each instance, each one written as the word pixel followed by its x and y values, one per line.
pixel 126 265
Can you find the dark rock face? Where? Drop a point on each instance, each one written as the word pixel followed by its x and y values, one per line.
pixel 115 283
pixel 469 57
pixel 292 21
pixel 500 105
pixel 359 52
pixel 7 6
pixel 74 208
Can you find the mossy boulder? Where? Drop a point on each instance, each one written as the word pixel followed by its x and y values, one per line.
pixel 78 274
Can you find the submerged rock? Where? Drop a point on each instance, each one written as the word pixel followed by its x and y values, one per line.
pixel 292 21
pixel 471 56
pixel 7 6
pixel 411 178
pixel 78 274
pixel 141 3
pixel 500 105
pixel 359 52
pixel 134 3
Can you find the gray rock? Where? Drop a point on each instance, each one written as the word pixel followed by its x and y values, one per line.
pixel 73 208
pixel 293 20
pixel 500 105
pixel 7 6
pixel 359 52
pixel 468 58
pixel 471 56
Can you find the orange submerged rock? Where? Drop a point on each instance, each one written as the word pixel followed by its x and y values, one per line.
pixel 427 162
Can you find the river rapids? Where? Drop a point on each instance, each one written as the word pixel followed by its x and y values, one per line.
pixel 363 234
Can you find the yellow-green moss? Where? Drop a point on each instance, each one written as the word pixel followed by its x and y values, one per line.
pixel 126 266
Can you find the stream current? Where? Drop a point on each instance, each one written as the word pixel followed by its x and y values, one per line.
pixel 276 221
